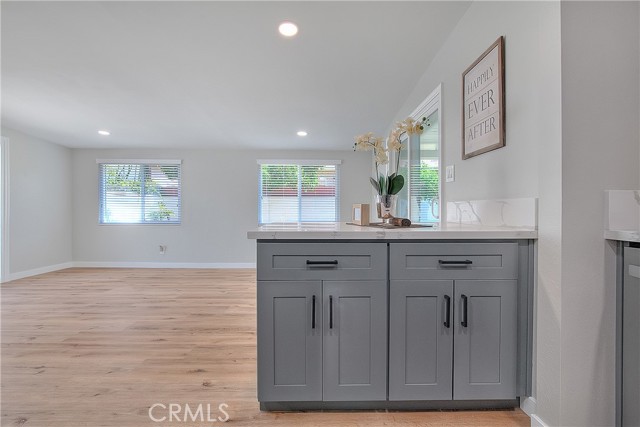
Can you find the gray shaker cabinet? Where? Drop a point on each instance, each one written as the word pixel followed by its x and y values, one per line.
pixel 455 338
pixel 322 341
pixel 485 339
pixel 452 340
pixel 289 341
pixel 355 340
pixel 390 325
pixel 322 322
pixel 420 339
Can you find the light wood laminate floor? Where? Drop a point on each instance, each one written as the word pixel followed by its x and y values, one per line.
pixel 99 347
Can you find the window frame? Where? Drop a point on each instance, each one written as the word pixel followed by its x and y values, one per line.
pixel 144 163
pixel 298 163
pixel 431 104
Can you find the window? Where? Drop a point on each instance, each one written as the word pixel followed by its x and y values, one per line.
pixel 298 191
pixel 420 163
pixel 139 192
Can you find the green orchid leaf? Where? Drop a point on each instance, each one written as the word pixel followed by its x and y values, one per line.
pixel 383 188
pixel 375 184
pixel 389 182
pixel 396 184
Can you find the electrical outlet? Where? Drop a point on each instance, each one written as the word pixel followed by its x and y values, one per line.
pixel 163 249
pixel 451 173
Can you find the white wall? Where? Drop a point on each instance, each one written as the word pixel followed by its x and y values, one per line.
pixel 600 95
pixel 40 202
pixel 548 130
pixel 530 163
pixel 527 63
pixel 219 206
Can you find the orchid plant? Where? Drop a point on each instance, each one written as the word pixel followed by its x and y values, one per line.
pixel 390 183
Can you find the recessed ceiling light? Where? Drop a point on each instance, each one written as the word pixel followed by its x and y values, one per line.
pixel 302 133
pixel 104 132
pixel 288 29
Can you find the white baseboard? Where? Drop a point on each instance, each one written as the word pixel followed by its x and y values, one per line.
pixel 529 405
pixel 97 264
pixel 40 270
pixel 90 264
pixel 536 421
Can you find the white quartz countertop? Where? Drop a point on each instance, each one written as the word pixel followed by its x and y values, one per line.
pixel 624 235
pixel 622 215
pixel 312 231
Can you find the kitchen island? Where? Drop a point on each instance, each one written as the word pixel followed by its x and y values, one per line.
pixel 353 317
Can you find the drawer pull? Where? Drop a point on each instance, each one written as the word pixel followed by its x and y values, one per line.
pixel 447 311
pixel 464 322
pixel 330 312
pixel 321 263
pixel 313 313
pixel 455 263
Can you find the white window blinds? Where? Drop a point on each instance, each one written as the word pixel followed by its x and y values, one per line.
pixel 136 192
pixel 298 192
pixel 423 188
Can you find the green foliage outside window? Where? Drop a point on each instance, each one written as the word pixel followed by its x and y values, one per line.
pixel 429 179
pixel 425 181
pixel 128 178
pixel 163 213
pixel 286 176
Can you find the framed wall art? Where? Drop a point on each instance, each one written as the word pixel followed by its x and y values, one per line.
pixel 483 113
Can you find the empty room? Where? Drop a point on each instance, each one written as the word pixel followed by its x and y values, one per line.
pixel 320 213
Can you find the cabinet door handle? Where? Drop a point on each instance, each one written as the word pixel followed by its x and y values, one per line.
pixel 313 313
pixel 464 322
pixel 447 311
pixel 455 263
pixel 327 262
pixel 330 312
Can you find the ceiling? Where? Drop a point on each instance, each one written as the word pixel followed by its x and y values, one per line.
pixel 214 74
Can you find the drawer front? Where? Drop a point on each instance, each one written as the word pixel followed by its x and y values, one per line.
pixel 322 261
pixel 420 261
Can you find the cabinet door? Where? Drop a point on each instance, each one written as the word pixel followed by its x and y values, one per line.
pixel 420 340
pixel 485 340
pixel 289 341
pixel 355 340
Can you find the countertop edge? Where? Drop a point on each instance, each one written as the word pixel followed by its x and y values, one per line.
pixel 622 235
pixel 395 235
